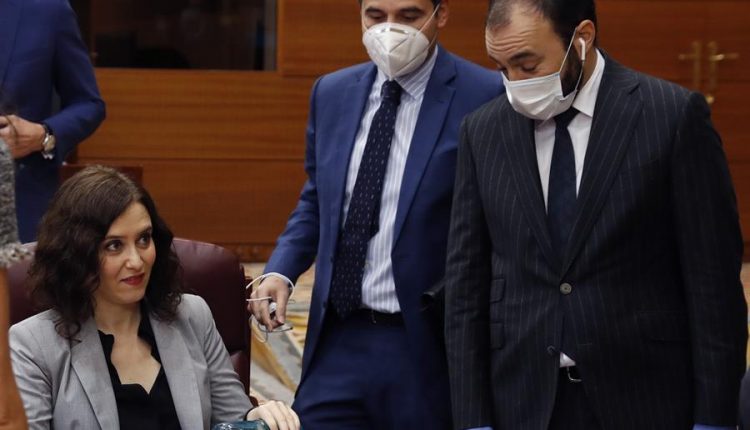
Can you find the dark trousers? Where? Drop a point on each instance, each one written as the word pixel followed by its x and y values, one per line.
pixel 572 409
pixel 363 377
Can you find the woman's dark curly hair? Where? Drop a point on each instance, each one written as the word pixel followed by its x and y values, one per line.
pixel 65 270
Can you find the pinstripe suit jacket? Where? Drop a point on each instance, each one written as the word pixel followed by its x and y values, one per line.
pixel 656 319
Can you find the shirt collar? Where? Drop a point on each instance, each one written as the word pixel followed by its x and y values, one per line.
pixel 414 83
pixel 585 101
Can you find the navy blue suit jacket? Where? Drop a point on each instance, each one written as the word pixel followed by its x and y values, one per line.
pixel 456 87
pixel 41 53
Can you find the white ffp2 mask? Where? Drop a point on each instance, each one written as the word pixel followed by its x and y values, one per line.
pixel 397 49
pixel 542 98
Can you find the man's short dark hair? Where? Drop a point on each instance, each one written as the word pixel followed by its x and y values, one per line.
pixel 565 15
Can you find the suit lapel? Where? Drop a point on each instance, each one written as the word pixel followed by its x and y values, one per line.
pixel 91 367
pixel 348 121
pixel 175 359
pixel 10 14
pixel 521 152
pixel 437 100
pixel 615 117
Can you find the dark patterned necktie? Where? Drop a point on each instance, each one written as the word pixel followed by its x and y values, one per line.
pixel 561 195
pixel 362 220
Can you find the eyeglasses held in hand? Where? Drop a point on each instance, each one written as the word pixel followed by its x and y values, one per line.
pixel 256 325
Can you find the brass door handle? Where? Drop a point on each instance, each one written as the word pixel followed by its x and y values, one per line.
pixel 696 57
pixel 714 58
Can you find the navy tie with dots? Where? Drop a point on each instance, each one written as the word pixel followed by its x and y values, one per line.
pixel 362 220
pixel 561 195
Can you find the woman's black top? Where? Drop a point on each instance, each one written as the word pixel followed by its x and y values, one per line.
pixel 136 408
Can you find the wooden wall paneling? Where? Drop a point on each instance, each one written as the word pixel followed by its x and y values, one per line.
pixel 464 34
pixel 200 115
pixel 325 35
pixel 318 37
pixel 222 152
pixel 729 26
pixel 242 204
pixel 650 35
pixel 111 16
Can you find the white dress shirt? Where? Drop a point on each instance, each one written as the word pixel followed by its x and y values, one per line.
pixel 579 129
pixel 378 286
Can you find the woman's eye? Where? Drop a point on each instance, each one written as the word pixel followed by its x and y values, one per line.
pixel 113 246
pixel 531 69
pixel 145 239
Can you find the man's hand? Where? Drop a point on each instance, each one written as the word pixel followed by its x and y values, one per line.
pixel 22 137
pixel 278 291
pixel 277 415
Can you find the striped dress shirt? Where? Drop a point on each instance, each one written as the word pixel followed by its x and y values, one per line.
pixel 378 286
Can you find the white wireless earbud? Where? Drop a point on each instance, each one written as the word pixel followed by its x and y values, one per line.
pixel 583 48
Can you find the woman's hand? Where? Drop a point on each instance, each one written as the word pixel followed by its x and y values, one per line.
pixel 276 414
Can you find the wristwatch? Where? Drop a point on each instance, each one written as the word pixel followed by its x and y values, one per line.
pixel 48 144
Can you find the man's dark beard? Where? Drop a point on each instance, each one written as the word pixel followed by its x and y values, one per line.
pixel 569 76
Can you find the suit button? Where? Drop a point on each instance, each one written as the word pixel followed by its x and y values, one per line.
pixel 552 351
pixel 566 288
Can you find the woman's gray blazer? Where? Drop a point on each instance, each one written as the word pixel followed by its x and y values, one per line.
pixel 66 385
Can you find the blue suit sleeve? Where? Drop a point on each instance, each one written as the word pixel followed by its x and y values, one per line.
pixel 82 108
pixel 297 246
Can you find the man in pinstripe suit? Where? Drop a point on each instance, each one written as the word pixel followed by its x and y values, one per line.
pixel 594 252
pixel 382 140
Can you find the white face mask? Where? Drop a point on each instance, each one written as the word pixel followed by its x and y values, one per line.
pixel 397 49
pixel 542 98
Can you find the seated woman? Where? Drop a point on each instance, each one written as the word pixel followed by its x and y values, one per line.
pixel 121 346
pixel 11 408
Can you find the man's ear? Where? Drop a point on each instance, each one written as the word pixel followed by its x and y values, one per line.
pixel 586 31
pixel 442 14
